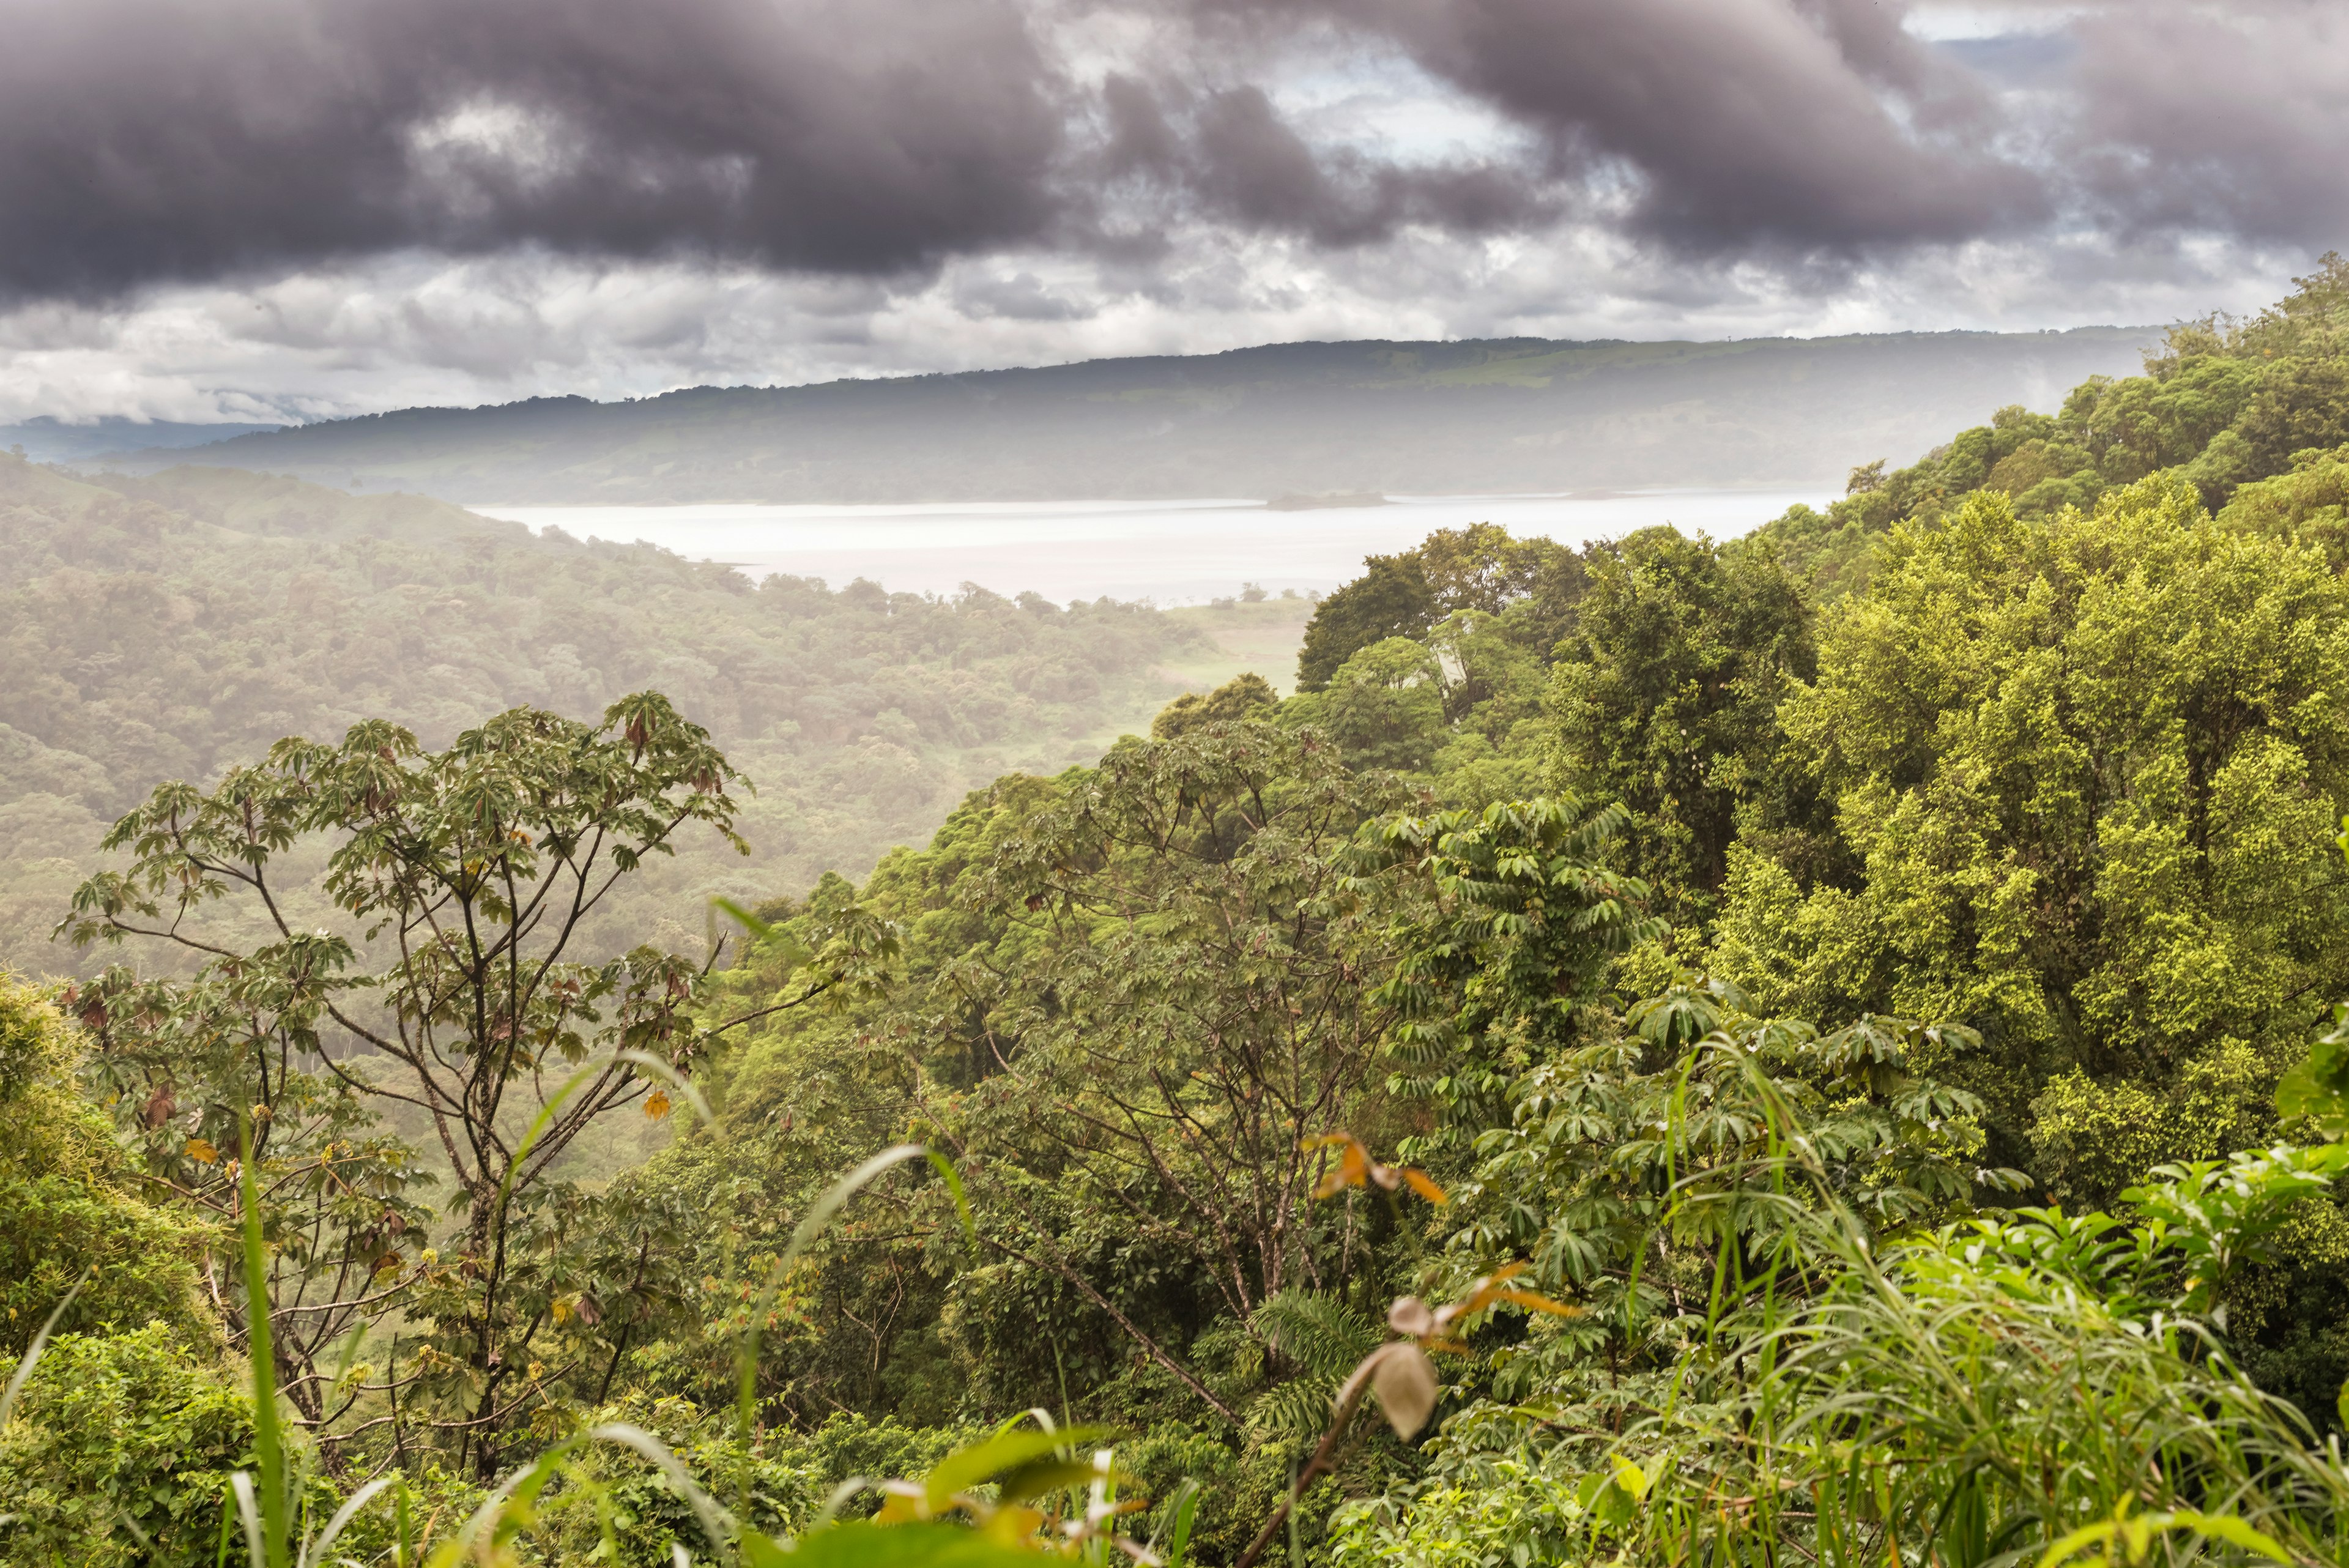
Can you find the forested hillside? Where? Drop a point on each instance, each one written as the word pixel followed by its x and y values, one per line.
pixel 170 626
pixel 2225 405
pixel 1426 418
pixel 1819 1048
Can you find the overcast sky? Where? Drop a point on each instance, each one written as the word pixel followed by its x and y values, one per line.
pixel 283 209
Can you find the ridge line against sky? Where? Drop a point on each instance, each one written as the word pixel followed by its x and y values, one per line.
pixel 1046 366
pixel 286 210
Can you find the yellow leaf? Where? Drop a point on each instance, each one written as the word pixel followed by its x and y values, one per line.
pixel 201 1152
pixel 1425 1185
pixel 902 1503
pixel 656 1104
pixel 1352 1170
pixel 1629 1478
pixel 1013 1525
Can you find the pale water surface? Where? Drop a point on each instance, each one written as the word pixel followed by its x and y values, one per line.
pixel 1171 552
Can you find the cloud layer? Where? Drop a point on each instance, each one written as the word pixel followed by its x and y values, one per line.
pixel 616 195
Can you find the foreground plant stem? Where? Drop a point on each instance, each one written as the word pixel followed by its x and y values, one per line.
pixel 1324 1460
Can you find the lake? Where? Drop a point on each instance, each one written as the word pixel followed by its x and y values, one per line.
pixel 1170 552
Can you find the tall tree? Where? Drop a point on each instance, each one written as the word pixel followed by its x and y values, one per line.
pixel 1666 698
pixel 2088 774
pixel 1390 598
pixel 1384 707
pixel 1504 954
pixel 1187 1007
pixel 1476 572
pixel 456 990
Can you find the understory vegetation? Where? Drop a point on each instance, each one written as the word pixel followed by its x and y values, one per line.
pixel 1822 1048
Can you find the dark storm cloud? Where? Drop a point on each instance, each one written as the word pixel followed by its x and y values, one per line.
pixel 1232 155
pixel 147 138
pixel 1746 121
pixel 2233 122
pixel 1733 123
pixel 153 139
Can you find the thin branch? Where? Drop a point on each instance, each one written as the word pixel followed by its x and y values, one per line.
pixel 1156 1352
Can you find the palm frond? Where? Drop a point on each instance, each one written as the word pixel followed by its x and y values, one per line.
pixel 1319 1334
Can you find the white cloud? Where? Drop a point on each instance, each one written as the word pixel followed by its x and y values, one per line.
pixel 413 330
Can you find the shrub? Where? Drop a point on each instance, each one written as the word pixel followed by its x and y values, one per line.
pixel 119 1436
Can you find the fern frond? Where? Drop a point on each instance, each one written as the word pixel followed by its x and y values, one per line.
pixel 1298 1409
pixel 1319 1334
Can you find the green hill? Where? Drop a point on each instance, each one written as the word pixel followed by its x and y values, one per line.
pixel 1479 416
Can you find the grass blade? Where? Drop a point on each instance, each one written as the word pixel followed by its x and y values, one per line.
pixel 673 1078
pixel 953 1179
pixel 256 1549
pixel 40 1343
pixel 269 1436
pixel 1186 1508
pixel 839 1498
pixel 546 1113
pixel 714 1522
pixel 492 1525
pixel 315 1554
pixel 810 1226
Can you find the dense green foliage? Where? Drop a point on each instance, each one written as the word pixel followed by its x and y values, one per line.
pixel 2086 773
pixel 1795 1081
pixel 1666 697
pixel 69 1202
pixel 120 1436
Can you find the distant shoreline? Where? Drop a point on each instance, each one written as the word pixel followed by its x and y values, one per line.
pixel 1169 554
pixel 1328 501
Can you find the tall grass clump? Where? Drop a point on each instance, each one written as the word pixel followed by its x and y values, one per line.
pixel 1991 1393
pixel 2024 1386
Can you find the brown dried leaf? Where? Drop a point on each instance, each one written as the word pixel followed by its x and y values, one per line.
pixel 1483 1293
pixel 1411 1316
pixel 1404 1380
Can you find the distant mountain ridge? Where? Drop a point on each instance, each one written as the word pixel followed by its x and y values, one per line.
pixel 50 439
pixel 1524 415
